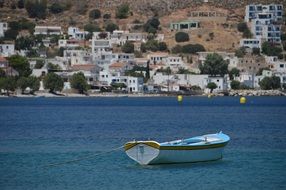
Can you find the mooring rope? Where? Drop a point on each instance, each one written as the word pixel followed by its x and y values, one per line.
pixel 82 158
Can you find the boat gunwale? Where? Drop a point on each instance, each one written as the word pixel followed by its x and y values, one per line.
pixel 156 145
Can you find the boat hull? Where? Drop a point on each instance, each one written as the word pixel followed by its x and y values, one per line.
pixel 181 151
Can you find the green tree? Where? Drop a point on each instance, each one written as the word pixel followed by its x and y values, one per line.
pixel 235 84
pixel 152 25
pixel 118 86
pixel 128 47
pixel 241 27
pixel 268 83
pixel 151 45
pixel 95 14
pixel 34 83
pixel 8 84
pixel 36 8
pixel 20 64
pixel 214 65
pixel 53 82
pixel 22 83
pixel 110 27
pixel 234 72
pixel 182 37
pixel 271 49
pixel 122 11
pixel 54 67
pixel 211 86
pixel 162 46
pixel 57 8
pixel 78 81
pixel 24 43
pixel 92 28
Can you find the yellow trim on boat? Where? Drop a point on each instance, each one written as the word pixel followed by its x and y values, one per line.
pixel 130 145
pixel 156 145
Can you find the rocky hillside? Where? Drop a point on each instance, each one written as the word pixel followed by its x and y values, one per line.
pixel 217 35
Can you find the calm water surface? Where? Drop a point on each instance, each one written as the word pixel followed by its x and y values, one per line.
pixel 41 131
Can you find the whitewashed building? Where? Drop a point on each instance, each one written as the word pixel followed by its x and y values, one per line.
pixel 3 28
pixel 6 50
pixel 76 33
pixel 100 47
pixel 78 57
pixel 48 30
pixel 264 21
pixel 254 11
pixel 250 43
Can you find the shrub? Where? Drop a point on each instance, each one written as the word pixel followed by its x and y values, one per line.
pixel 95 14
pixel 36 8
pixel 128 47
pixel 122 11
pixel 152 25
pixel 56 8
pixel 241 27
pixel 193 48
pixel 107 16
pixel 235 85
pixel 182 37
pixel 162 46
pixel 92 28
pixel 110 27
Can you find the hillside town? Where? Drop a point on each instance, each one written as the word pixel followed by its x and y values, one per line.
pixel 138 58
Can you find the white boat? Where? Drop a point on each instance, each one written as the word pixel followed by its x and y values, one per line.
pixel 196 149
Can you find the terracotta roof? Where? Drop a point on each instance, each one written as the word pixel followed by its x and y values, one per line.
pixel 117 65
pixel 3 59
pixel 84 67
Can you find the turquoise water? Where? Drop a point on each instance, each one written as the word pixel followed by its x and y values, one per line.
pixel 41 131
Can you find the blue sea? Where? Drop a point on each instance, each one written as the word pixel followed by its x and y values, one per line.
pixel 40 139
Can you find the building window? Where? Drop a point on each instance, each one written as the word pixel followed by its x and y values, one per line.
pixel 281 65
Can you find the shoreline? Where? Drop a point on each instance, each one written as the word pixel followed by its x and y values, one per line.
pixel 114 95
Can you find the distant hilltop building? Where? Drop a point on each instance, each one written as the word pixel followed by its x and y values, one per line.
pixel 273 12
pixel 265 22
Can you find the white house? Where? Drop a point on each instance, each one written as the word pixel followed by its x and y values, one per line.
pixel 174 62
pixel 76 33
pixel 77 57
pixel 263 20
pixel 48 30
pixel 250 43
pixel 64 43
pixel 100 47
pixel 133 84
pixel 275 64
pixel 157 57
pixel 6 50
pixel 3 28
pixel 219 81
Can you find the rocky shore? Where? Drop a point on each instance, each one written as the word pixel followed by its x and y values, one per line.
pixel 256 93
